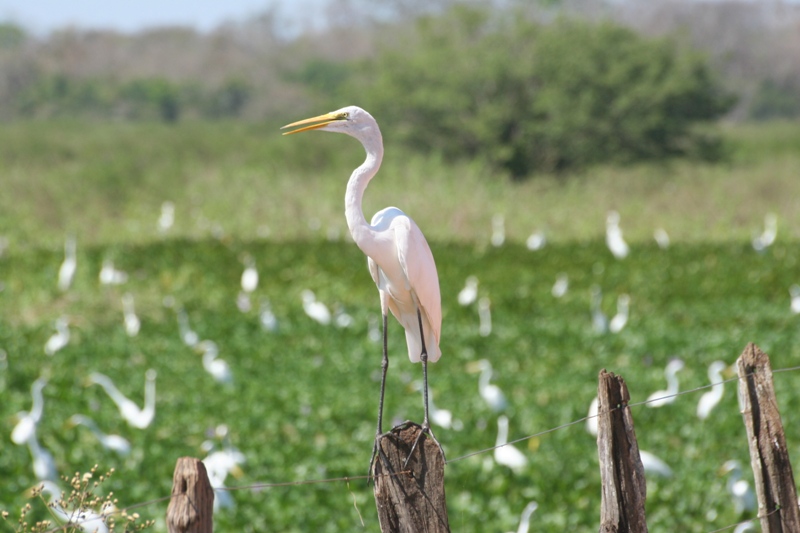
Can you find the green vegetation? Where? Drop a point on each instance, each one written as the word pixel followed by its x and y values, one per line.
pixel 534 97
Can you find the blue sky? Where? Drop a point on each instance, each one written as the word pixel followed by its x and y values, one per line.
pixel 41 16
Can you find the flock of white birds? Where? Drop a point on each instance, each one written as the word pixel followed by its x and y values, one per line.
pixel 220 463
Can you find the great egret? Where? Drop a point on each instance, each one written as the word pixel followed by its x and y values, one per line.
pixel 525 517
pixel 662 238
pixel 498 230
pixel 710 399
pixel 744 498
pixel 767 237
pixel 490 393
pixel 653 464
pixel 133 415
pixel 28 420
pixel 663 397
pixel 536 240
pixel 560 286
pixel 109 275
pixel 507 454
pixel 44 465
pixel 67 269
pixel 218 368
pixel 115 443
pixel 398 256
pixel 132 322
pixel 218 465
pixel 469 293
pixel 60 338
pixel 619 320
pixel 315 309
pixel 249 279
pixel 614 239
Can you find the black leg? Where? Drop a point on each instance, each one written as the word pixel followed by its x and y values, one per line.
pixel 426 428
pixel 384 369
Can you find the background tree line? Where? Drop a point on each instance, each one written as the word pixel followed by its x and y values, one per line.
pixel 532 86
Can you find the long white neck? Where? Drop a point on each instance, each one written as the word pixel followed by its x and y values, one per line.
pixel 502 431
pixel 359 179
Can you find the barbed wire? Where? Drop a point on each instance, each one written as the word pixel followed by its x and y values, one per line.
pixel 347 479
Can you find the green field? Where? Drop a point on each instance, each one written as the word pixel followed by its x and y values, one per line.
pixel 304 398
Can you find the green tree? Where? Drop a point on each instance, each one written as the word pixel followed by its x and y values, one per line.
pixel 531 97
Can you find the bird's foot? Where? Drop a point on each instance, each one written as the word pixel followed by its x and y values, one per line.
pixel 424 429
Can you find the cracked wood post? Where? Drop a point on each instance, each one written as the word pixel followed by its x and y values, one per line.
pixel 412 500
pixel 769 458
pixel 621 471
pixel 191 507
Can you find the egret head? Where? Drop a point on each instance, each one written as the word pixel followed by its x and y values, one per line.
pixel 351 120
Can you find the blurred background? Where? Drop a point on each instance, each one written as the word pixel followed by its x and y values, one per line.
pixel 604 184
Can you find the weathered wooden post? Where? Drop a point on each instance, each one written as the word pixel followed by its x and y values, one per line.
pixel 191 508
pixel 769 458
pixel 621 471
pixel 410 498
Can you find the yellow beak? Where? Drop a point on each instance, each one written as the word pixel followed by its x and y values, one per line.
pixel 314 122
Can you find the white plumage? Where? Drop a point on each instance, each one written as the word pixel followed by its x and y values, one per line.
pixel 130 412
pixel 507 454
pixel 710 399
pixel 664 397
pixel 614 240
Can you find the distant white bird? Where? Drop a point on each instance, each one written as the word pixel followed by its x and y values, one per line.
pixel 109 275
pixel 767 237
pixel 218 368
pixel 794 291
pixel 218 465
pixel 591 420
pixel 710 399
pixel 507 454
pixel 316 310
pixel 490 393
pixel 167 218
pixel 249 279
pixel 525 517
pixel 560 286
pixel 243 302
pixel 664 397
pixel 29 419
pixel 536 240
pixel 662 238
pixel 44 465
pixel 599 320
pixel 619 320
pixel 189 337
pixel 133 415
pixel 614 239
pixel 60 338
pixel 267 318
pixel 654 465
pixel 67 269
pixel 498 230
pixel 744 498
pixel 115 443
pixel 469 293
pixel 485 316
pixel 132 322
pixel 84 519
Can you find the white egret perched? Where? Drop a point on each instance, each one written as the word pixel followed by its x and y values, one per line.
pixel 619 320
pixel 28 419
pixel 44 465
pixel 614 239
pixel 315 309
pixel 764 240
pixel 507 454
pixel 710 399
pixel 132 322
pixel 60 338
pixel 67 269
pixel 218 368
pixel 249 283
pixel 525 517
pixel 663 397
pixel 794 292
pixel 189 337
pixel 399 258
pixel 498 230
pixel 560 286
pixel 490 393
pixel 110 275
pixel 469 293
pixel 115 443
pixel 133 415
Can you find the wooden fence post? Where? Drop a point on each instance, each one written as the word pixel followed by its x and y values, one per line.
pixel 410 499
pixel 621 472
pixel 769 458
pixel 191 508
